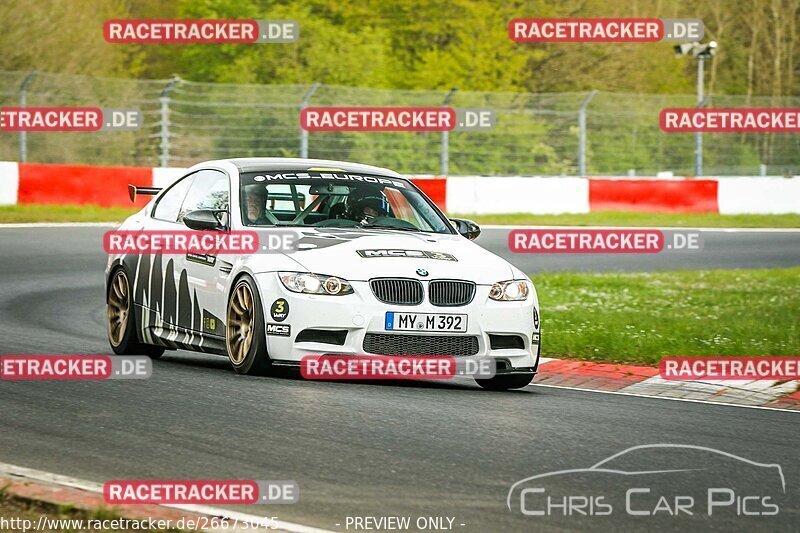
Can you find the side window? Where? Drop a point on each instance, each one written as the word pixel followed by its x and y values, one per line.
pixel 209 190
pixel 169 204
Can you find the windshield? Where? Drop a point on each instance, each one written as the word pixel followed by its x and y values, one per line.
pixel 333 199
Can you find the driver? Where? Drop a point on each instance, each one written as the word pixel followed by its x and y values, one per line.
pixel 365 204
pixel 255 204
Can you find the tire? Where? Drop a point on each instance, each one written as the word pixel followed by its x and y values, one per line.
pixel 245 335
pixel 506 382
pixel 121 319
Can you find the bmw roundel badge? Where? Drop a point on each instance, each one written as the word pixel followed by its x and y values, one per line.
pixel 422 272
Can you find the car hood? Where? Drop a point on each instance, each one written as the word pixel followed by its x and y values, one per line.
pixel 360 255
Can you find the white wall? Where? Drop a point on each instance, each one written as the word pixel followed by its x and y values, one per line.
pixel 163 177
pixel 9 182
pixel 490 195
pixel 758 195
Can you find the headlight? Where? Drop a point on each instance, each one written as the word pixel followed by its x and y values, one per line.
pixel 315 283
pixel 509 291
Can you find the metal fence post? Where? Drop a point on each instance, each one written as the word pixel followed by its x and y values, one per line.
pixel 164 99
pixel 698 136
pixel 23 101
pixel 304 133
pixel 582 133
pixel 445 156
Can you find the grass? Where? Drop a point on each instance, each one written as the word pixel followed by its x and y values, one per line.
pixel 63 213
pixel 625 218
pixel 93 213
pixel 17 507
pixel 638 318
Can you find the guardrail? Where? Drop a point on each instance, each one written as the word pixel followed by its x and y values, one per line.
pixel 28 183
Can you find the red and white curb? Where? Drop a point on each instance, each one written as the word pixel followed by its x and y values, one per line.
pixel 30 484
pixel 646 381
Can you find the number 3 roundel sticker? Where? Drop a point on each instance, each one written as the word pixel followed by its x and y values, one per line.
pixel 279 310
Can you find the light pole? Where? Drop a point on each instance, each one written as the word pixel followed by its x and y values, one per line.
pixel 304 133
pixel 445 153
pixel 698 136
pixel 23 101
pixel 701 52
pixel 582 134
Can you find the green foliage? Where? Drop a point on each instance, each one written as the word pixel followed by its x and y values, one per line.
pixel 415 44
pixel 10 214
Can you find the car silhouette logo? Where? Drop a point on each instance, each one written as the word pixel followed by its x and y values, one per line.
pixel 653 462
pixel 422 272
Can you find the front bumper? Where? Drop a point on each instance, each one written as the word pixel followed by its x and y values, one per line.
pixel 354 316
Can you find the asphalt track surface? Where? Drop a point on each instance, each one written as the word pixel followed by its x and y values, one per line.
pixel 721 249
pixel 370 449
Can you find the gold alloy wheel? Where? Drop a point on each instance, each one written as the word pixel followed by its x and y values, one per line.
pixel 119 305
pixel 240 323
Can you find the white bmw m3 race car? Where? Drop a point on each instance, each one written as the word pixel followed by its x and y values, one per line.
pixel 375 269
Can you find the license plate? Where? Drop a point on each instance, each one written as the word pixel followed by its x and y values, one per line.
pixel 425 322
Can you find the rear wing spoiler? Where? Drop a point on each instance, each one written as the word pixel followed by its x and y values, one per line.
pixel 133 190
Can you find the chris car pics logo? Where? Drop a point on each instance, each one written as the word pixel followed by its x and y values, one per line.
pixel 679 481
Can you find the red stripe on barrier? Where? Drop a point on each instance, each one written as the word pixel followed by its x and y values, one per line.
pixel 663 196
pixel 435 189
pixel 81 184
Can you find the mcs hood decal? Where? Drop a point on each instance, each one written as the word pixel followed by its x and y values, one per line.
pixel 441 256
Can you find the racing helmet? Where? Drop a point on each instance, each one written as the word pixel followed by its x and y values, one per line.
pixel 364 198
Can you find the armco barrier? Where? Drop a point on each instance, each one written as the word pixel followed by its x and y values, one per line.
pixel 28 183
pixel 654 195
pixel 31 183
pixel 9 183
pixel 434 188
pixel 765 195
pixel 495 195
pixel 79 184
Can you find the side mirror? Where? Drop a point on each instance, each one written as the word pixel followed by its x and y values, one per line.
pixel 466 228
pixel 202 219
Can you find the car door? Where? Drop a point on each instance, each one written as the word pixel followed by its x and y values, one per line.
pixel 201 285
pixel 157 275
